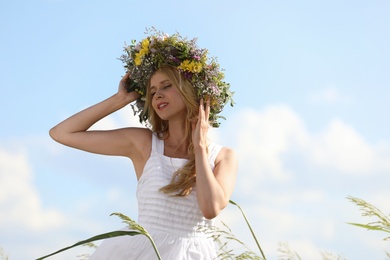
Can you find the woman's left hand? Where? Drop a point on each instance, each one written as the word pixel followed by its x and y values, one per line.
pixel 201 126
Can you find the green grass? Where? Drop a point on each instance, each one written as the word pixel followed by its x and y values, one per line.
pixel 230 247
pixel 135 229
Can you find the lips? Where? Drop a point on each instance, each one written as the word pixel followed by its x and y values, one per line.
pixel 162 105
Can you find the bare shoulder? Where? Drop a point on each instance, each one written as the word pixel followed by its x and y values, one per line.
pixel 226 154
pixel 225 171
pixel 226 162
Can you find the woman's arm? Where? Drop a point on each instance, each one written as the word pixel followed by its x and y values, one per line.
pixel 213 188
pixel 73 131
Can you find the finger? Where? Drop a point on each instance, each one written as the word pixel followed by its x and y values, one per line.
pixel 207 109
pixel 127 74
pixel 201 105
pixel 193 124
pixel 201 110
pixel 125 78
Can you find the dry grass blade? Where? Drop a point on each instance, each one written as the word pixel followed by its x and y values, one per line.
pixel 382 222
pixel 86 256
pixel 286 253
pixel 225 240
pixel 331 256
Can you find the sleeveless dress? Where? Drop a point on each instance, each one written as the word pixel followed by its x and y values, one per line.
pixel 176 224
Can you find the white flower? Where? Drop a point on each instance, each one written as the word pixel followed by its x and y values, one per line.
pixel 163 37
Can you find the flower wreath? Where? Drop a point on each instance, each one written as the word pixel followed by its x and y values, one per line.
pixel 142 59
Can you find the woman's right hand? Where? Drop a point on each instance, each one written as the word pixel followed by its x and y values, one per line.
pixel 122 90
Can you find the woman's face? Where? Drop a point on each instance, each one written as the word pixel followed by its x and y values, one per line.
pixel 166 98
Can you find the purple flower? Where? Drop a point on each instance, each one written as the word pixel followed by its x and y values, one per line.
pixel 215 90
pixel 174 59
pixel 188 75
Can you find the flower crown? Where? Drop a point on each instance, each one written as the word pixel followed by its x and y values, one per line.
pixel 142 59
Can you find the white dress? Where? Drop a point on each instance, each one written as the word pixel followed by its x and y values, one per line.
pixel 176 224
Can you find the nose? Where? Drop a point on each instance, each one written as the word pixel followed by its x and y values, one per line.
pixel 158 94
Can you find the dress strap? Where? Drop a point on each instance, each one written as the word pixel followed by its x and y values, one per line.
pixel 157 144
pixel 214 150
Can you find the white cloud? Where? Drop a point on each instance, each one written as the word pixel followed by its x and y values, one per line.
pixel 19 201
pixel 262 138
pixel 329 95
pixel 341 147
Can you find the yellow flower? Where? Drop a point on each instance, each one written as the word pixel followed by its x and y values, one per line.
pixel 191 66
pixel 138 59
pixel 144 50
pixel 197 67
pixel 145 43
pixel 184 65
pixel 145 47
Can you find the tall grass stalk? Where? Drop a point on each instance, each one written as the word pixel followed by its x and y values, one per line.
pixel 332 256
pixel 250 228
pixel 94 238
pixel 136 229
pixel 381 223
pixel 286 253
pixel 224 237
pixel 134 225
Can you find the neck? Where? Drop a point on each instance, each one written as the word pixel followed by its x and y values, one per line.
pixel 176 144
pixel 177 133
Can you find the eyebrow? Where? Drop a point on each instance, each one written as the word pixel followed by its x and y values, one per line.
pixel 161 83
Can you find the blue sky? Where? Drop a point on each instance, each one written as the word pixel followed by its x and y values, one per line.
pixel 310 124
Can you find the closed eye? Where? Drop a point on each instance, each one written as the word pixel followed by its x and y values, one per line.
pixel 153 92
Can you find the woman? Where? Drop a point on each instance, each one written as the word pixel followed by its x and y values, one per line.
pixel 184 181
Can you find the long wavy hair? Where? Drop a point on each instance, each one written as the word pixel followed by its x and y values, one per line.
pixel 183 179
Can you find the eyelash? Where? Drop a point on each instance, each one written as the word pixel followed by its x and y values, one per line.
pixel 166 86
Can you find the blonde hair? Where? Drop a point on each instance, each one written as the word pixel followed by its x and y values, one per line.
pixel 183 179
